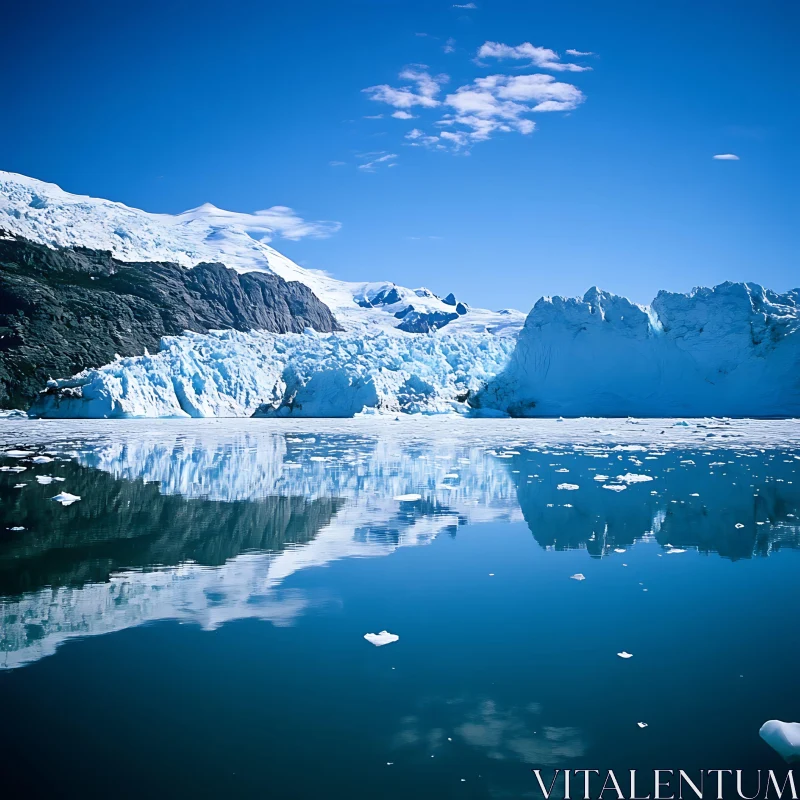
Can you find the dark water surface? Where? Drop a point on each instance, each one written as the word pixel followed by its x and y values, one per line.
pixel 193 625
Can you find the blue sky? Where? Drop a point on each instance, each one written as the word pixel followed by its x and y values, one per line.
pixel 167 105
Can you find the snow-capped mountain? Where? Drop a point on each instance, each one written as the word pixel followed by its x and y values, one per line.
pixel 45 213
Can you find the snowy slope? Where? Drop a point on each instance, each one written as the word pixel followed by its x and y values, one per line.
pixel 730 350
pixel 42 212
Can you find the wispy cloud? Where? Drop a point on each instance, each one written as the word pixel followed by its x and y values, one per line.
pixel 579 53
pixel 542 57
pixel 464 5
pixel 449 45
pixel 726 157
pixel 275 221
pixel 476 111
pixel 423 93
pixel 418 138
pixel 336 163
pixel 377 159
pixel 374 116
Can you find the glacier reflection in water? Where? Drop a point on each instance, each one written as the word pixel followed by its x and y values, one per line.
pixel 205 523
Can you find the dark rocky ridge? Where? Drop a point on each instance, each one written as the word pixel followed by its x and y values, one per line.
pixel 67 309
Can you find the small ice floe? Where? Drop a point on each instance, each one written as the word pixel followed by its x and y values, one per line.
pixel 568 487
pixel 18 453
pixel 630 477
pixel 65 498
pixel 738 525
pixel 408 498
pixel 563 469
pixel 601 478
pixel 642 724
pixel 578 576
pixel 615 487
pixel 694 494
pixel 20 485
pixel 41 459
pixel 382 638
pixel 451 476
pixel 17 528
pixel 623 654
pixel 44 479
pixel 784 738
pixel 680 423
pixel 673 550
pixel 619 549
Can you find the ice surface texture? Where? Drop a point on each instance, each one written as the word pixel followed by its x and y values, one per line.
pixel 731 350
pixel 234 374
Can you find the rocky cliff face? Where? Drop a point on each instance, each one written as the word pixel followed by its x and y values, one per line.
pixel 67 309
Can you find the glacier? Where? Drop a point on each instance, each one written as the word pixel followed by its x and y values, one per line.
pixel 730 350
pixel 235 374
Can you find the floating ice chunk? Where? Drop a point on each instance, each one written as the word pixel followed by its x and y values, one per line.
pixel 601 477
pixel 784 738
pixel 41 459
pixel 382 638
pixel 65 498
pixel 738 525
pixel 619 549
pixel 44 479
pixel 675 550
pixel 20 485
pixel 18 453
pixel 17 528
pixel 578 576
pixel 630 477
pixel 408 498
pixel 451 475
pixel 642 724
pixel 615 487
pixel 568 487
pixel 563 469
pixel 694 494
pixel 623 654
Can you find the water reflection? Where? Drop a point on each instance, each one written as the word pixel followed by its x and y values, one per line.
pixel 206 528
pixel 494 730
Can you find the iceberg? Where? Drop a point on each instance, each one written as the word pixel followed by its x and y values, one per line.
pixel 730 350
pixel 784 738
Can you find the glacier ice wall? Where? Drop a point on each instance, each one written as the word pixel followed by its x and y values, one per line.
pixel 235 374
pixel 729 350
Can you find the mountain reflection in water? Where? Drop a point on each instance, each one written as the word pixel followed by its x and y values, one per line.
pixel 206 528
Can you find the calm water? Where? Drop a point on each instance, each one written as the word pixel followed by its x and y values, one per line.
pixel 193 625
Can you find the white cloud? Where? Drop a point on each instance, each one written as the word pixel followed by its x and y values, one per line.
pixel 369 166
pixel 548 93
pixel 449 45
pixel 424 93
pixel 476 111
pixel 541 57
pixel 374 116
pixel 726 157
pixel 579 53
pixel 417 138
pixel 464 5
pixel 275 221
